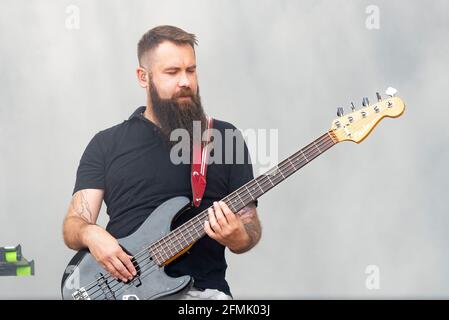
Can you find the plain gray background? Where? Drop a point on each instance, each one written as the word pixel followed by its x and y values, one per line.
pixel 275 64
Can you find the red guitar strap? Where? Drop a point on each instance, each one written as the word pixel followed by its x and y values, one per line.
pixel 199 166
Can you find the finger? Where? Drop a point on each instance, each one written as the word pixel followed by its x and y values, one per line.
pixel 132 262
pixel 110 268
pixel 125 259
pixel 221 219
pixel 120 268
pixel 209 231
pixel 213 221
pixel 230 216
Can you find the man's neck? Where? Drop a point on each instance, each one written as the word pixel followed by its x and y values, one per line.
pixel 148 113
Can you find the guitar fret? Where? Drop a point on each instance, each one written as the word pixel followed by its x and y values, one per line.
pixel 199 224
pixel 304 156
pixel 257 182
pixel 249 193
pixel 240 199
pixel 270 180
pixel 181 243
pixel 155 256
pixel 157 252
pixel 158 256
pixel 167 247
pixel 254 190
pixel 183 239
pixel 290 160
pixel 197 233
pixel 316 147
pixel 171 244
pixel 178 244
pixel 154 253
pixel 189 230
pixel 280 171
pixel 187 242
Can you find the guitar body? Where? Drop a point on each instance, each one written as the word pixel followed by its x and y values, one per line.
pixel 83 272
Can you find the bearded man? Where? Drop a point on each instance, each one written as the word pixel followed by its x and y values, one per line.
pixel 128 166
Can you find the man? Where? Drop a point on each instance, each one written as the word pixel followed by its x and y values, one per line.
pixel 129 167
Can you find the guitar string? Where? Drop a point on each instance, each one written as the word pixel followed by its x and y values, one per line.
pixel 124 285
pixel 236 195
pixel 267 181
pixel 265 176
pixel 145 271
pixel 233 200
pixel 247 198
pixel 200 226
pixel 328 145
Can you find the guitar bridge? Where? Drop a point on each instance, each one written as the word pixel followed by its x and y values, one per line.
pixel 81 294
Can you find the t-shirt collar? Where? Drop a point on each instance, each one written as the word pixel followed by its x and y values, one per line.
pixel 138 113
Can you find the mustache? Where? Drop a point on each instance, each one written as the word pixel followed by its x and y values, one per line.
pixel 173 114
pixel 184 92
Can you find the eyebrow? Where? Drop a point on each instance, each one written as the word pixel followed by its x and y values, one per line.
pixel 177 68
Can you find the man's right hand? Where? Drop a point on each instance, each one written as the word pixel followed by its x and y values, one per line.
pixel 108 253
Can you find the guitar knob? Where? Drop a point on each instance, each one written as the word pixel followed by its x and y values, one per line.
pixel 340 111
pixel 365 101
pixel 379 98
pixel 352 106
pixel 391 91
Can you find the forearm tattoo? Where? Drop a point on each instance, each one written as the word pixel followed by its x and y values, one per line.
pixel 251 224
pixel 81 206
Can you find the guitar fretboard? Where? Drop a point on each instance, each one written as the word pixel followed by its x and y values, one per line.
pixel 185 235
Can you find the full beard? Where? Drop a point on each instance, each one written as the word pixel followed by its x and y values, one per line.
pixel 173 115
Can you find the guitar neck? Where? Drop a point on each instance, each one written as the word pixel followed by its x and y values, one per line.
pixel 176 242
pixel 265 182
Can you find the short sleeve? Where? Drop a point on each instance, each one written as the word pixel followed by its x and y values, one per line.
pixel 241 169
pixel 90 173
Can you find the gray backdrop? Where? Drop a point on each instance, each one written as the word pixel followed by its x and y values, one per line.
pixel 275 64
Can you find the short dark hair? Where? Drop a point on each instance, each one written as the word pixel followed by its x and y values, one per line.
pixel 152 38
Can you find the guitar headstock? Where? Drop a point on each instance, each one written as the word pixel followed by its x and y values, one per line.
pixel 358 124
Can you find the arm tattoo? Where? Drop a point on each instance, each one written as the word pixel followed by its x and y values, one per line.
pixel 251 224
pixel 81 206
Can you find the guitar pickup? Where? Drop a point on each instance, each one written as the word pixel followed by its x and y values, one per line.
pixel 136 281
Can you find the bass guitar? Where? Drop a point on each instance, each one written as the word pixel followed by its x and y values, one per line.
pixel 154 244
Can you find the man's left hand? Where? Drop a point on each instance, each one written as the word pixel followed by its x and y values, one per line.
pixel 227 227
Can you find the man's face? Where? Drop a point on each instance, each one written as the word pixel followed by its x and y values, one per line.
pixel 172 88
pixel 173 69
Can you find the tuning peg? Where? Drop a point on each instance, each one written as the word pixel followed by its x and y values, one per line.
pixel 352 106
pixel 379 98
pixel 340 111
pixel 365 101
pixel 391 91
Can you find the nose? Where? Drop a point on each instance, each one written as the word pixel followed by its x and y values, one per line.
pixel 184 80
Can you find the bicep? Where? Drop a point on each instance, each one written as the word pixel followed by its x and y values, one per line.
pixel 86 204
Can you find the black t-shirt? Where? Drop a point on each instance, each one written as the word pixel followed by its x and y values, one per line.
pixel 131 163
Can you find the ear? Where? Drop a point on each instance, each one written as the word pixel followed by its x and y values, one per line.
pixel 142 77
